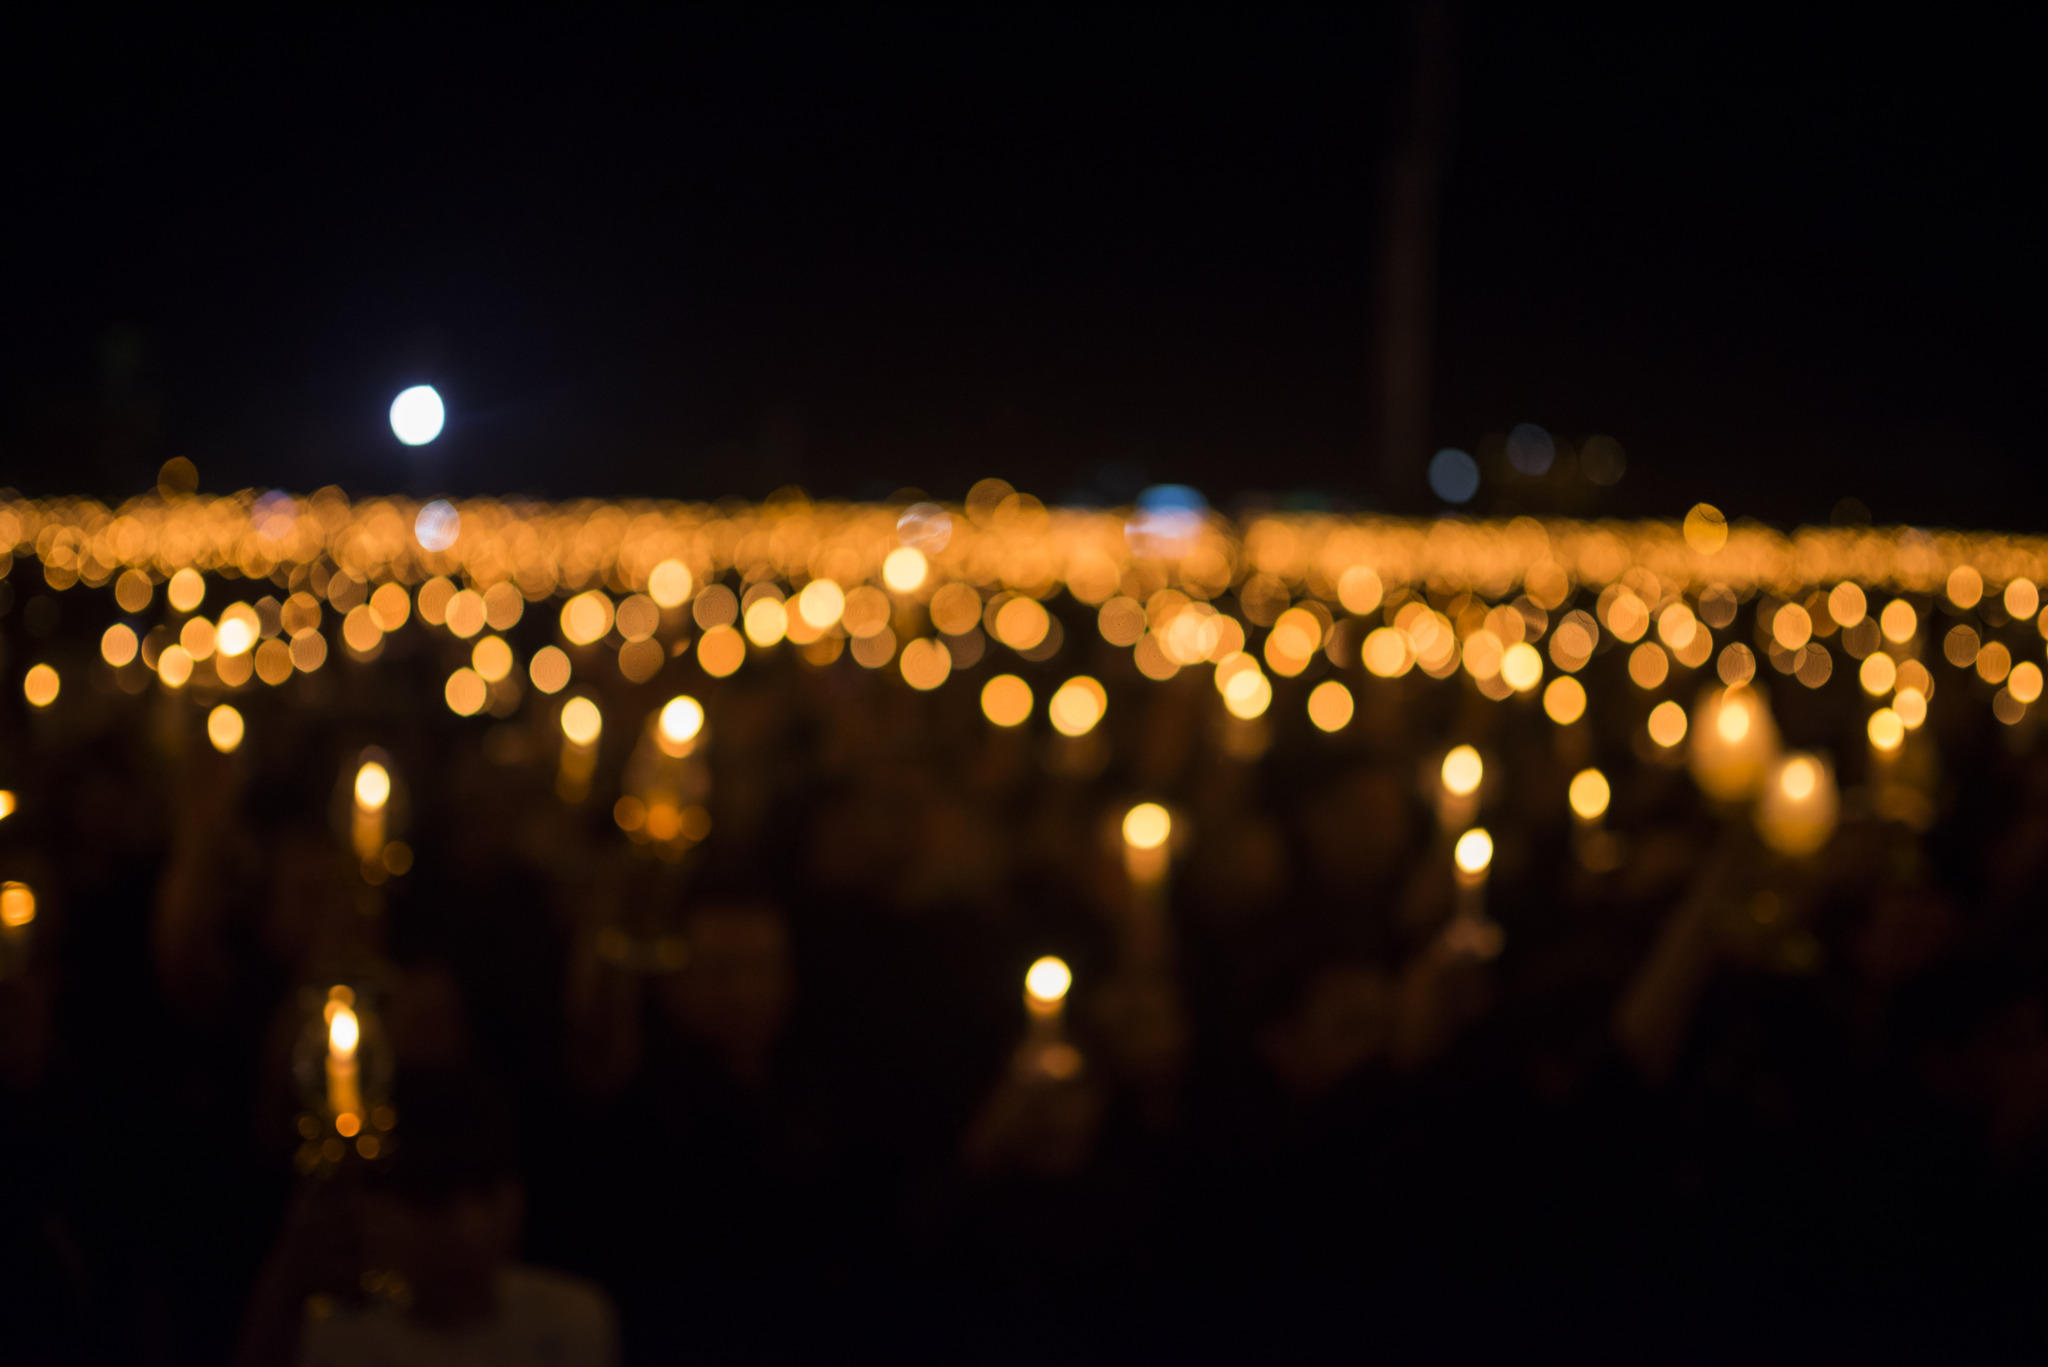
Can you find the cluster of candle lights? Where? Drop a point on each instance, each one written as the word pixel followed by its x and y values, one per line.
pixel 926 591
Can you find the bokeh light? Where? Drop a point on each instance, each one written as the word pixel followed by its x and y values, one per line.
pixel 1330 706
pixel 1474 852
pixel 1147 826
pixel 1453 476
pixel 417 415
pixel 1006 700
pixel 224 727
pixel 1462 771
pixel 1589 794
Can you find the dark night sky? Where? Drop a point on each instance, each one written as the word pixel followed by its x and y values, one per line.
pixel 1779 259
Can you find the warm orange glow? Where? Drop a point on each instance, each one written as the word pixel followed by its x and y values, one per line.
pixel 344 1032
pixel 1589 794
pixel 1006 700
pixel 581 721
pixel 586 618
pixel 821 602
pixel 1648 666
pixel 1387 652
pixel 2025 681
pixel 186 590
pixel 1147 826
pixel 1474 853
pixel 766 621
pixel 904 569
pixel 2022 599
pixel 224 728
pixel 1898 621
pixel 669 584
pixel 925 664
pixel 1667 724
pixel 1076 706
pixel 1886 730
pixel 17 905
pixel 1706 529
pixel 1878 674
pixel 1330 706
pixel 1022 623
pixel 549 669
pixel 1965 587
pixel 174 666
pixel 1565 700
pixel 1462 771
pixel 240 629
pixel 721 651
pixel 1732 719
pixel 118 645
pixel 467 614
pixel 1911 705
pixel 1048 981
pixel 1798 778
pixel 373 786
pixel 491 658
pixel 7 803
pixel 41 685
pixel 1521 667
pixel 466 693
pixel 1792 628
pixel 682 718
pixel 1847 605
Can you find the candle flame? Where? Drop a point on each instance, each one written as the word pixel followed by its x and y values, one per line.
pixel 1590 794
pixel 1800 777
pixel 17 904
pixel 1146 826
pixel 581 721
pixel 1463 769
pixel 681 719
pixel 343 1033
pixel 1475 851
pixel 1048 980
pixel 373 786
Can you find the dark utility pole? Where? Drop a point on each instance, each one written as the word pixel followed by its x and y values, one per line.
pixel 1401 380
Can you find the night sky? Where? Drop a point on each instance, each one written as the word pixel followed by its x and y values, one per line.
pixel 1779 259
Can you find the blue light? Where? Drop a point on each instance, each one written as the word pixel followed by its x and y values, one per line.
pixel 1453 476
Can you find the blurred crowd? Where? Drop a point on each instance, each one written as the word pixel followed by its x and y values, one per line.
pixel 777 1095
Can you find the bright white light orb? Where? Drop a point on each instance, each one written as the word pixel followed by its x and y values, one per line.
pixel 417 415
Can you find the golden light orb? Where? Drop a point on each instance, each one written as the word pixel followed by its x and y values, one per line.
pixel 1147 826
pixel 373 786
pixel 1565 700
pixel 41 685
pixel 904 569
pixel 224 727
pixel 1589 794
pixel 582 723
pixel 1006 700
pixel 1048 980
pixel 1887 732
pixel 1474 852
pixel 682 717
pixel 1330 706
pixel 1462 771
pixel 1076 706
pixel 1667 724
pixel 820 604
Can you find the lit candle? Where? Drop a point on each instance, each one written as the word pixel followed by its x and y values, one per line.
pixel 1458 792
pixel 1797 810
pixel 344 1085
pixel 1734 742
pixel 1045 1054
pixel 373 796
pixel 1589 796
pixel 1471 930
pixel 1045 992
pixel 1147 829
pixel 17 917
pixel 582 724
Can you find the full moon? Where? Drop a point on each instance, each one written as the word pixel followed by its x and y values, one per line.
pixel 417 415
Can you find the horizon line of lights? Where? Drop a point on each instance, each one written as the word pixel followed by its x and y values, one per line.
pixel 932 587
